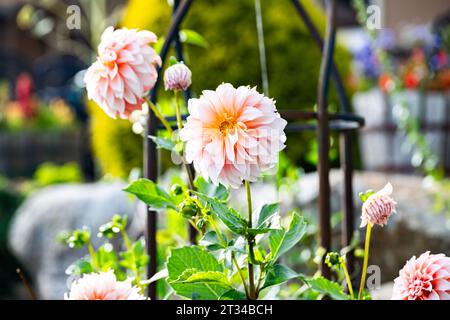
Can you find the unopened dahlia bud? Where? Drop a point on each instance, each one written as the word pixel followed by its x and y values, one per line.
pixel 177 77
pixel 378 207
pixel 333 259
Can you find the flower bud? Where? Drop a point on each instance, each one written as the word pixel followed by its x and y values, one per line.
pixel 333 259
pixel 378 207
pixel 177 77
pixel 176 190
pixel 188 209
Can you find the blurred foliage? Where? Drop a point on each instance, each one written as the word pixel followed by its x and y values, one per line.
pixel 10 199
pixel 116 148
pixel 232 56
pixel 48 173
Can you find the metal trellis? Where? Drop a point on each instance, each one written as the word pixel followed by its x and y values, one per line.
pixel 343 122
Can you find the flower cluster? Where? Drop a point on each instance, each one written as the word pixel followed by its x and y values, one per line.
pixel 231 136
pixel 419 56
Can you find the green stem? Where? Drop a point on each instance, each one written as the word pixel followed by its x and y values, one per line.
pixel 180 126
pixel 251 241
pixel 93 256
pixel 366 261
pixel 348 279
pixel 127 242
pixel 159 115
pixel 178 109
pixel 241 275
pixel 223 241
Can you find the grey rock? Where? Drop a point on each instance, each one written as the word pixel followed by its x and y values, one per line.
pixel 34 229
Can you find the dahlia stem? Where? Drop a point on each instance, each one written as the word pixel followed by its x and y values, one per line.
pixel 178 109
pixel 251 242
pixel 348 279
pixel 180 126
pixel 159 115
pixel 366 261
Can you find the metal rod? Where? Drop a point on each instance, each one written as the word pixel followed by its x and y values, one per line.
pixel 187 95
pixel 348 221
pixel 323 134
pixel 343 100
pixel 177 18
pixel 150 152
pixel 345 143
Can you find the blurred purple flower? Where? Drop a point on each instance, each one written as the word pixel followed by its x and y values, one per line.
pixel 366 61
pixel 386 39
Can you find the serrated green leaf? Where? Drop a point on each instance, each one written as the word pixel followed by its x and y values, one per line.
pixel 211 241
pixel 330 288
pixel 278 274
pixel 163 143
pixel 233 294
pixel 280 241
pixel 220 192
pixel 192 37
pixel 151 194
pixel 263 218
pixel 228 216
pixel 184 263
pixel 217 277
pixel 253 232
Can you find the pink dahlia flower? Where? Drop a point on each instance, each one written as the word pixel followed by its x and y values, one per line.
pixel 233 134
pixel 123 72
pixel 102 286
pixel 177 77
pixel 424 278
pixel 378 207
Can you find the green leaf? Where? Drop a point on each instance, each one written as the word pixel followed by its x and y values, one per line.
pixel 193 37
pixel 280 241
pixel 163 143
pixel 211 241
pixel 253 232
pixel 228 216
pixel 195 276
pixel 330 288
pixel 365 195
pixel 151 194
pixel 233 294
pixel 185 263
pixel 220 192
pixel 278 274
pixel 263 219
pixel 80 267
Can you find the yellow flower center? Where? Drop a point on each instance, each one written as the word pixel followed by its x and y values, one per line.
pixel 227 124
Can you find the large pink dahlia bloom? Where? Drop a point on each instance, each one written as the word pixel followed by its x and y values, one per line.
pixel 102 286
pixel 424 278
pixel 233 134
pixel 123 72
pixel 378 207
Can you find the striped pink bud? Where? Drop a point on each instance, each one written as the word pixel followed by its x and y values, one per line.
pixel 378 207
pixel 177 77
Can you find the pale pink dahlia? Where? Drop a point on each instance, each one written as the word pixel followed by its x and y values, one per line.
pixel 424 278
pixel 102 286
pixel 177 77
pixel 233 134
pixel 378 207
pixel 123 72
